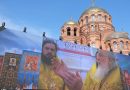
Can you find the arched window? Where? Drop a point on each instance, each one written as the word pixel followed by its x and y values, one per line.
pixel 93 44
pixel 86 19
pixel 92 27
pixel 127 45
pixel 121 45
pixel 81 21
pixel 105 18
pixel 62 30
pixel 93 18
pixel 96 27
pixel 109 19
pixel 75 41
pixel 75 31
pixel 115 44
pixel 109 45
pixel 81 41
pixel 99 17
pixel 68 31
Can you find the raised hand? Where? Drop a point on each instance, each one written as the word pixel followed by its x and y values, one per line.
pixel 72 80
pixel 59 67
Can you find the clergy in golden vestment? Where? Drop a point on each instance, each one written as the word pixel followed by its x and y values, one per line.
pixel 48 79
pixel 105 74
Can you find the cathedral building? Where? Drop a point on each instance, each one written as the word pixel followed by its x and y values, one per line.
pixel 95 29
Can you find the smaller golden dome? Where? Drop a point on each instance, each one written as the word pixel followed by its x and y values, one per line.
pixel 71 22
pixel 116 35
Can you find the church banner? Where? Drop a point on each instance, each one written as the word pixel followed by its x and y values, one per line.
pixel 1 64
pixel 76 57
pixel 29 70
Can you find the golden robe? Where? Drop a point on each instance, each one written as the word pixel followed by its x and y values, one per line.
pixel 112 81
pixel 48 80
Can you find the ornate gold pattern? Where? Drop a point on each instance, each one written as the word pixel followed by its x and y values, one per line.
pixel 49 80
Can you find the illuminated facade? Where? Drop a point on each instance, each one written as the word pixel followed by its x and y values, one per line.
pixel 94 28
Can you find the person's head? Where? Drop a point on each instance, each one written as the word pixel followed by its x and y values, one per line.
pixel 49 49
pixel 105 58
pixel 105 62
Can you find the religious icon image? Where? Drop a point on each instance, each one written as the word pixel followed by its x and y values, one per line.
pixel 31 63
pixel 12 62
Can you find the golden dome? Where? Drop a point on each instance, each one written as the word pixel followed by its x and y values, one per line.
pixel 116 35
pixel 71 22
pixel 94 9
